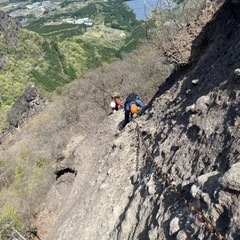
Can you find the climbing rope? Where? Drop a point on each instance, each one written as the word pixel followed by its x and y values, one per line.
pixel 164 176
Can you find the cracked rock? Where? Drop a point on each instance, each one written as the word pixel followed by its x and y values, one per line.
pixel 231 179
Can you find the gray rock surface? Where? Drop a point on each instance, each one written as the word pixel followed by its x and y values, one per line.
pixel 231 179
pixel 8 31
pixel 31 102
pixel 174 226
pixel 118 193
pixel 26 106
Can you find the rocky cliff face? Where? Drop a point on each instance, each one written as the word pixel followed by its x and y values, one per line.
pixel 8 32
pixel 27 105
pixel 174 177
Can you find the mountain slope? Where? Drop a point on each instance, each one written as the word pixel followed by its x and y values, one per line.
pixel 8 32
pixel 50 53
pixel 32 148
pixel 111 190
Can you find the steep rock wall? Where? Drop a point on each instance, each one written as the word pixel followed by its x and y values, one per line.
pixel 8 32
pixel 191 129
pixel 27 105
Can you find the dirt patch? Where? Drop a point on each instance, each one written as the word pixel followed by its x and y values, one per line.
pixel 180 50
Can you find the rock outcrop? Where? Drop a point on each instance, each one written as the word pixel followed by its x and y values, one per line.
pixel 182 166
pixel 27 105
pixel 31 102
pixel 8 32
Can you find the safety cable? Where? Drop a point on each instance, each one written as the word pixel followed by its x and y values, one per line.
pixel 164 176
pixel 138 142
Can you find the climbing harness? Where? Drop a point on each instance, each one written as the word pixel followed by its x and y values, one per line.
pixel 164 176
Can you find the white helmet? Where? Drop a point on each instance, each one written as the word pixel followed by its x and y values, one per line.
pixel 112 104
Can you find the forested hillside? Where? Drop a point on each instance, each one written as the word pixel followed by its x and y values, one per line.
pixel 173 172
pixel 30 152
pixel 51 53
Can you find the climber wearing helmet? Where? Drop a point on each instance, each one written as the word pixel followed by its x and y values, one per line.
pixel 116 102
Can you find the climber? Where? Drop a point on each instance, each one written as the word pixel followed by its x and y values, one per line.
pixel 132 106
pixel 116 102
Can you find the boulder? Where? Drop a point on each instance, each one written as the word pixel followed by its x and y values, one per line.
pixel 231 179
pixel 27 105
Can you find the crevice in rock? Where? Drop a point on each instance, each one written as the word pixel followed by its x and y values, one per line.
pixel 65 171
pixel 224 220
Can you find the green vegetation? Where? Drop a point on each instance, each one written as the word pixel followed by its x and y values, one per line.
pixel 52 56
pixel 3 4
pixel 51 53
pixel 114 14
pixel 29 176
pixel 61 31
pixel 178 1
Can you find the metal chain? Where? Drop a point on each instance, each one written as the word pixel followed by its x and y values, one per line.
pixel 137 151
pixel 164 176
